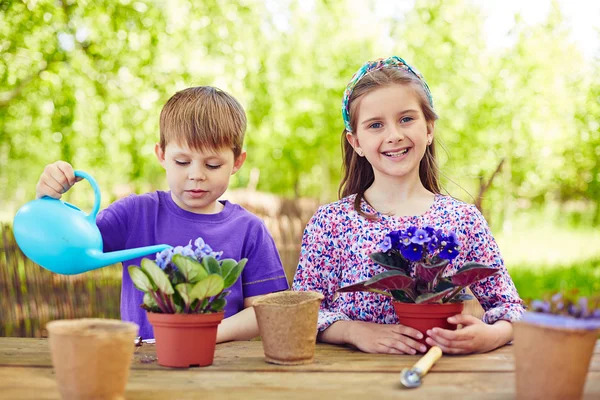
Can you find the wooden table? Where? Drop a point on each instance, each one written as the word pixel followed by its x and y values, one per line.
pixel 239 372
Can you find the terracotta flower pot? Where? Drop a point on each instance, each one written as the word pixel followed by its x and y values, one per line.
pixel 92 356
pixel 427 316
pixel 185 340
pixel 288 326
pixel 552 355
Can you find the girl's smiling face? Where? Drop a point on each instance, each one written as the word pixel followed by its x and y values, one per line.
pixel 391 132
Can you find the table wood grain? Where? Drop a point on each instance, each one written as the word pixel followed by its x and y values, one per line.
pixel 239 371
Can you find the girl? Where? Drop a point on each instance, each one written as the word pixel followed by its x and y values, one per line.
pixel 391 182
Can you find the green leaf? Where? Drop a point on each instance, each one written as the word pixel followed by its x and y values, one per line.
pixel 429 272
pixel 218 305
pixel 437 297
pixel 158 276
pixel 390 280
pixel 443 284
pixel 149 301
pixel 207 287
pixel 459 298
pixel 184 290
pixel 140 279
pixel 212 265
pixel 472 272
pixel 356 287
pixel 191 269
pixel 390 260
pixel 402 296
pixel 232 271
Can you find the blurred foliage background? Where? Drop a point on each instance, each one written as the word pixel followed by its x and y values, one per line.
pixel 84 81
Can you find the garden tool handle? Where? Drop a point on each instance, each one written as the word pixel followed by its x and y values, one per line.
pixel 427 361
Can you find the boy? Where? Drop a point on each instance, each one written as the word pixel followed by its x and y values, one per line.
pixel 201 137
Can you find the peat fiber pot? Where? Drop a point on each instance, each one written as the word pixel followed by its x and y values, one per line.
pixel 185 340
pixel 288 326
pixel 91 356
pixel 552 355
pixel 427 316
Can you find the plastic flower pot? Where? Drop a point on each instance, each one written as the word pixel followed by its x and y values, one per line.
pixel 91 357
pixel 185 340
pixel 288 326
pixel 427 316
pixel 552 355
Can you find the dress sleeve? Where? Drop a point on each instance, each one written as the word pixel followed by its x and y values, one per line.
pixel 318 266
pixel 497 293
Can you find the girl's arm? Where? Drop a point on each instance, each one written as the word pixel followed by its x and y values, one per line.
pixel 321 256
pixel 497 294
pixel 241 326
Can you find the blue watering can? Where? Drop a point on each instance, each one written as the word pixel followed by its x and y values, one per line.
pixel 63 239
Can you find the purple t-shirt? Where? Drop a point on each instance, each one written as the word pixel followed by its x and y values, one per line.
pixel 154 218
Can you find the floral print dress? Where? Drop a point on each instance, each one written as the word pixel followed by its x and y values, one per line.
pixel 335 253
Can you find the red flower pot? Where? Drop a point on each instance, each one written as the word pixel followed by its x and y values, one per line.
pixel 427 316
pixel 185 340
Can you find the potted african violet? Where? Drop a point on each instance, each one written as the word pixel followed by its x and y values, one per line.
pixel 415 260
pixel 553 346
pixel 185 290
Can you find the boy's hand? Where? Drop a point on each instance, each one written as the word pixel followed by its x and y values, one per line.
pixel 56 179
pixel 475 337
pixel 384 338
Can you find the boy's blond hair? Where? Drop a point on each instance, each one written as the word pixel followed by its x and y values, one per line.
pixel 203 118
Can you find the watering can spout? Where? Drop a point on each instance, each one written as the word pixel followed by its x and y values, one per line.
pixel 99 259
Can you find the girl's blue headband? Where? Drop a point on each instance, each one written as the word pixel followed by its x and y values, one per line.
pixel 370 66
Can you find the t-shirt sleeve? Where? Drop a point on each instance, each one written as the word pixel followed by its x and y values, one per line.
pixel 318 266
pixel 497 293
pixel 115 223
pixel 263 272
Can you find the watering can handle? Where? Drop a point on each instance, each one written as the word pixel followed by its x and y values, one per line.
pixel 91 216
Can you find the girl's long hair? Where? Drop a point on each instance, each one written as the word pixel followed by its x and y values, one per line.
pixel 358 173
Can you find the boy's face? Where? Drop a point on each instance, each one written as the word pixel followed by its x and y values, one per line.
pixel 198 178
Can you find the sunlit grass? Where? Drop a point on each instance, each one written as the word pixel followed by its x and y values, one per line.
pixel 549 246
pixel 537 282
pixel 544 257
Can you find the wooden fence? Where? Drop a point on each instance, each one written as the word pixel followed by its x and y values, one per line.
pixel 30 296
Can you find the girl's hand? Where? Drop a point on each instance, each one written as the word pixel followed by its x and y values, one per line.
pixel 384 338
pixel 56 179
pixel 475 337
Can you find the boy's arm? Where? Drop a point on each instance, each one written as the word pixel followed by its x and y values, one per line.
pixel 241 326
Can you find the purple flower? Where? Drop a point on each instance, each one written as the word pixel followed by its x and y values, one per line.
pixel 410 232
pixel 164 258
pixel 557 297
pixel 450 246
pixel 184 250
pixel 394 238
pixel 433 243
pixel 430 230
pixel 412 252
pixel 450 252
pixel 420 236
pixel 386 244
pixel 583 305
pixel 540 306
pixel 204 250
pixel 405 240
